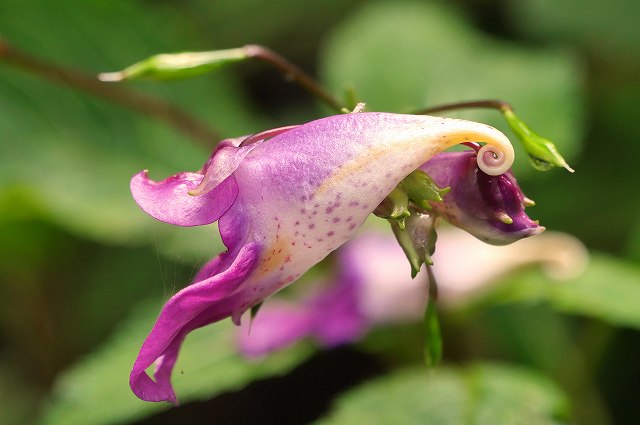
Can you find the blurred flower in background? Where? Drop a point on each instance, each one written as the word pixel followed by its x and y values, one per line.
pixel 371 285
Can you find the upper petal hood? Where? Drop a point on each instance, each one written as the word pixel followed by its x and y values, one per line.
pixel 329 174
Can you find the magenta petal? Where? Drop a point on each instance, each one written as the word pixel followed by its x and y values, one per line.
pixel 337 313
pixel 479 203
pixel 197 305
pixel 224 161
pixel 277 325
pixel 169 200
pixel 331 317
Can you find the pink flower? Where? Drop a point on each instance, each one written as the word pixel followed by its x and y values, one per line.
pixel 284 199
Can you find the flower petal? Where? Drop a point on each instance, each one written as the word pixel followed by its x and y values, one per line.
pixel 331 316
pixel 387 293
pixel 225 160
pixel 277 325
pixel 169 200
pixel 374 281
pixel 195 306
pixel 338 316
pixel 491 208
pixel 308 190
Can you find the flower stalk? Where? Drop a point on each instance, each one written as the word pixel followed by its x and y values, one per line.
pixel 432 332
pixel 189 64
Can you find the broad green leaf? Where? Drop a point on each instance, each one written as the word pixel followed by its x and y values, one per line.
pixel 72 156
pixel 610 30
pixel 479 394
pixel 86 288
pixel 633 248
pixel 17 398
pixel 608 290
pixel 276 23
pixel 96 390
pixel 403 56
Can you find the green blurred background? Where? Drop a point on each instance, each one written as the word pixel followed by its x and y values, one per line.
pixel 83 272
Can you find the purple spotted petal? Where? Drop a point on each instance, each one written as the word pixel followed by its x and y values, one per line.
pixel 479 203
pixel 224 161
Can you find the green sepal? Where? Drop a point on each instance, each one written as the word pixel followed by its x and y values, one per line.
pixel 417 239
pixel 421 189
pixel 170 66
pixel 404 240
pixel 543 154
pixel 432 335
pixel 395 207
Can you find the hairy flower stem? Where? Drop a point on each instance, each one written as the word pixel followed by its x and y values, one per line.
pixel 294 74
pixel 158 109
pixel 500 105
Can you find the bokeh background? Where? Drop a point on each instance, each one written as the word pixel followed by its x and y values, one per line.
pixel 83 272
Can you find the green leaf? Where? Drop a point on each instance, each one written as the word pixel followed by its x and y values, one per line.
pixel 177 65
pixel 577 21
pixel 480 394
pixel 608 290
pixel 71 155
pixel 96 390
pixel 421 189
pixel 18 398
pixel 416 55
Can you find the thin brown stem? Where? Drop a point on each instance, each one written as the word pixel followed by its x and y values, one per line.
pixel 293 73
pixel 484 104
pixel 154 108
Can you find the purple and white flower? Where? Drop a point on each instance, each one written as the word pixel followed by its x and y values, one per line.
pixel 285 199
